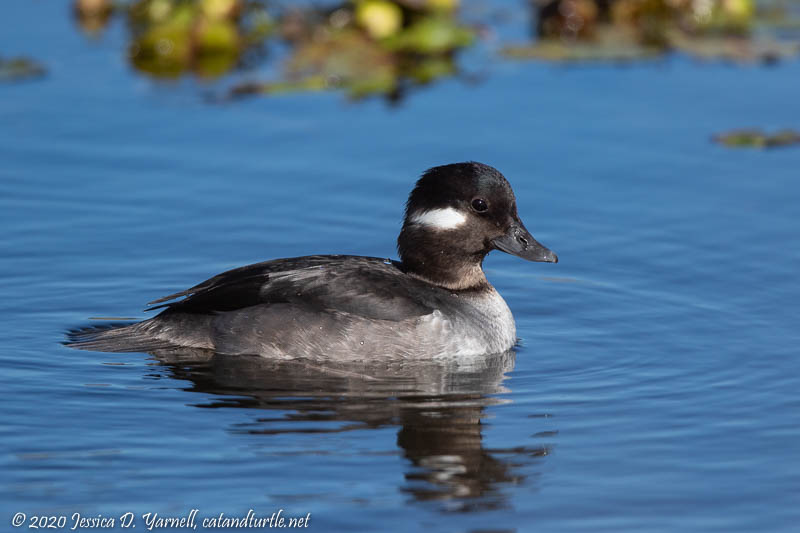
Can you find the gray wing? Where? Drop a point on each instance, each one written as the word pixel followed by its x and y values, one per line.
pixel 362 286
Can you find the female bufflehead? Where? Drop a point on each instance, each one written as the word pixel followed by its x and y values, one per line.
pixel 434 302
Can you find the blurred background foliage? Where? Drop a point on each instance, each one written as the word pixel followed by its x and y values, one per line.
pixel 384 47
pixel 365 47
pixel 737 30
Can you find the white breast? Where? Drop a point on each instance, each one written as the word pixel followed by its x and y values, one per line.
pixel 481 324
pixel 499 320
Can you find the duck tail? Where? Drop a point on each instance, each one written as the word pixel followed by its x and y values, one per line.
pixel 136 337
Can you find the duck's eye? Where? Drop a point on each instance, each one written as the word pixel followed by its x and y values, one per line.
pixel 479 205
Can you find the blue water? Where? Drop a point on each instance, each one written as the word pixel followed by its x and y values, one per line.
pixel 656 385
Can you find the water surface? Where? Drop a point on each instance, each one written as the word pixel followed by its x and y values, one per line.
pixel 655 385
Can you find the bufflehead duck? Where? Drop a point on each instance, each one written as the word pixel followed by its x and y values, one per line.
pixel 435 301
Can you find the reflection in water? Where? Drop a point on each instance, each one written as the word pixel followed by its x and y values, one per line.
pixel 438 406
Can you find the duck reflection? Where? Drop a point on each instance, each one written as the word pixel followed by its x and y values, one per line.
pixel 439 407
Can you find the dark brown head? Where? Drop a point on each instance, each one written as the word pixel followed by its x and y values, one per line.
pixel 457 214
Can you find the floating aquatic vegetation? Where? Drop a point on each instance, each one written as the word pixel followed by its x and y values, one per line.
pixel 93 15
pixel 363 47
pixel 170 38
pixel 368 47
pixel 380 18
pixel 206 37
pixel 753 138
pixel 387 47
pixel 431 35
pixel 738 49
pixel 606 46
pixel 20 68
pixel 625 30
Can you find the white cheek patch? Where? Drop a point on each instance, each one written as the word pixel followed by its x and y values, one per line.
pixel 447 218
